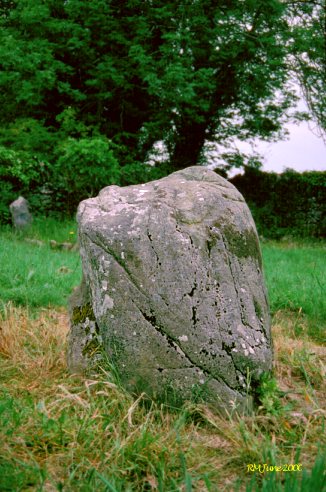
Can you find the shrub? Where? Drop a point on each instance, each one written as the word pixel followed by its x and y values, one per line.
pixel 21 174
pixel 83 167
pixel 29 135
pixel 290 203
pixel 138 172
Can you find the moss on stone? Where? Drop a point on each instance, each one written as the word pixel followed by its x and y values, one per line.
pixel 81 313
pixel 258 309
pixel 243 245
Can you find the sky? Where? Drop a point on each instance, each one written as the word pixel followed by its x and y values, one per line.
pixel 303 151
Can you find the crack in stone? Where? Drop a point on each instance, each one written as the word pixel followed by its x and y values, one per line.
pixel 158 262
pixel 209 246
pixel 151 319
pixel 228 350
pixel 232 199
pixel 193 290
pixel 172 342
pixel 151 244
pixel 109 251
pixel 194 316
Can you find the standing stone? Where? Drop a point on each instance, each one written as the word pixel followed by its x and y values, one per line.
pixel 173 290
pixel 21 217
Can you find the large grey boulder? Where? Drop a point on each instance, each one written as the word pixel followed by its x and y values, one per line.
pixel 173 290
pixel 21 216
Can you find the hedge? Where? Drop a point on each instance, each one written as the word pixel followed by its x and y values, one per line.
pixel 285 204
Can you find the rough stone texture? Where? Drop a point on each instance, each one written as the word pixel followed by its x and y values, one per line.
pixel 173 289
pixel 20 214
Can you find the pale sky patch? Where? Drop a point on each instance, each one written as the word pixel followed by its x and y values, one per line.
pixel 303 151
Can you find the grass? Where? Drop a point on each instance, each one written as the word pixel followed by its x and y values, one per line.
pixel 44 229
pixel 296 280
pixel 31 272
pixel 61 432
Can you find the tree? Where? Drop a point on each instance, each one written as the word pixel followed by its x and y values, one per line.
pixel 307 60
pixel 139 72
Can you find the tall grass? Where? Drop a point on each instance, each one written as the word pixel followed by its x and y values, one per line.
pixel 63 432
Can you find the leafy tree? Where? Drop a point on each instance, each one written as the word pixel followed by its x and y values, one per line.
pixel 307 59
pixel 83 167
pixel 139 72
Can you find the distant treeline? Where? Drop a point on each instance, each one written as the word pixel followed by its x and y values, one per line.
pixel 285 204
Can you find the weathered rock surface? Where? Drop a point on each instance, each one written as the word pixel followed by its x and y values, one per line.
pixel 173 289
pixel 21 217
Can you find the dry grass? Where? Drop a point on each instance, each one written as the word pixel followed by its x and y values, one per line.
pixel 33 349
pixel 298 359
pixel 69 433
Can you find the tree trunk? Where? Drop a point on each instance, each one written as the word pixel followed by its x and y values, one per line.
pixel 189 142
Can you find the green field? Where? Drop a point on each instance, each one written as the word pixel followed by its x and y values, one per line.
pixel 296 281
pixel 63 432
pixel 32 273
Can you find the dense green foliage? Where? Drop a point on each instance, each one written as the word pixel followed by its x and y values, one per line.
pixel 284 204
pixel 19 173
pixel 81 169
pixel 92 92
pixel 140 72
